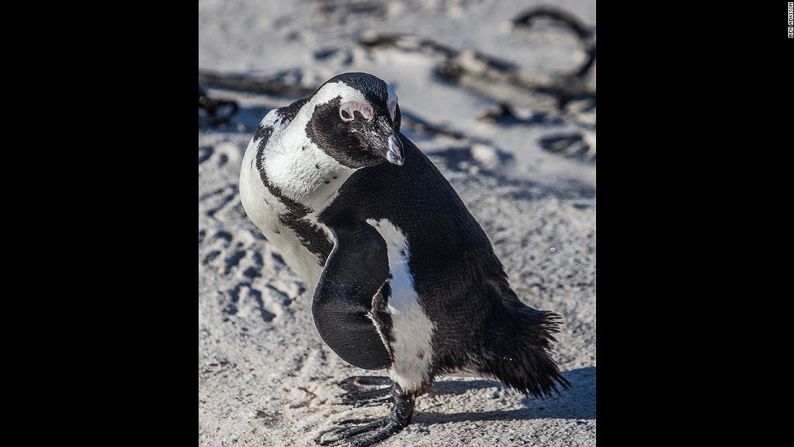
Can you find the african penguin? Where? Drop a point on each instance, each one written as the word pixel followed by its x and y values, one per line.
pixel 403 277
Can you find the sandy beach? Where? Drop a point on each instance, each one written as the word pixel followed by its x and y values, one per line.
pixel 266 378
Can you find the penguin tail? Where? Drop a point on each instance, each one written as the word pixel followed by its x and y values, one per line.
pixel 517 349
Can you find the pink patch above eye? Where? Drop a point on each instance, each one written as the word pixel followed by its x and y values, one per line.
pixel 354 106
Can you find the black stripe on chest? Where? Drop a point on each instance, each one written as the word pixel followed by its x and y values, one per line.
pixel 309 234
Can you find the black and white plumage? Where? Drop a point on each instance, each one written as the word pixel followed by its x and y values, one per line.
pixel 403 277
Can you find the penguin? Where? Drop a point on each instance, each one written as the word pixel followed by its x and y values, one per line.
pixel 402 277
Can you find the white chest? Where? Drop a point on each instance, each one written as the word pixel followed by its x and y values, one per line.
pixel 411 329
pixel 302 175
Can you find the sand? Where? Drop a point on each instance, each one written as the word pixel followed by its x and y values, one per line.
pixel 265 376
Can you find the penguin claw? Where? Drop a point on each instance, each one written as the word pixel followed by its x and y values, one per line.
pixel 362 433
pixel 354 421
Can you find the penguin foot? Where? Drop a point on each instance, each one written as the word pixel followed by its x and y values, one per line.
pixel 359 398
pixel 367 432
pixel 366 390
pixel 365 383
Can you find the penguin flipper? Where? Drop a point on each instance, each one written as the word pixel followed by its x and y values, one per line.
pixel 355 270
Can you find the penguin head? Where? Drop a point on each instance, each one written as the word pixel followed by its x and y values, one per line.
pixel 356 120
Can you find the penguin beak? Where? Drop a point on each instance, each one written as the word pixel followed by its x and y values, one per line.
pixel 385 141
pixel 394 154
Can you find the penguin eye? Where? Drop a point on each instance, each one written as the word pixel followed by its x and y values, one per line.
pixel 348 110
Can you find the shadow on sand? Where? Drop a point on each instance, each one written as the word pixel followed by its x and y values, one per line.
pixel 579 402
